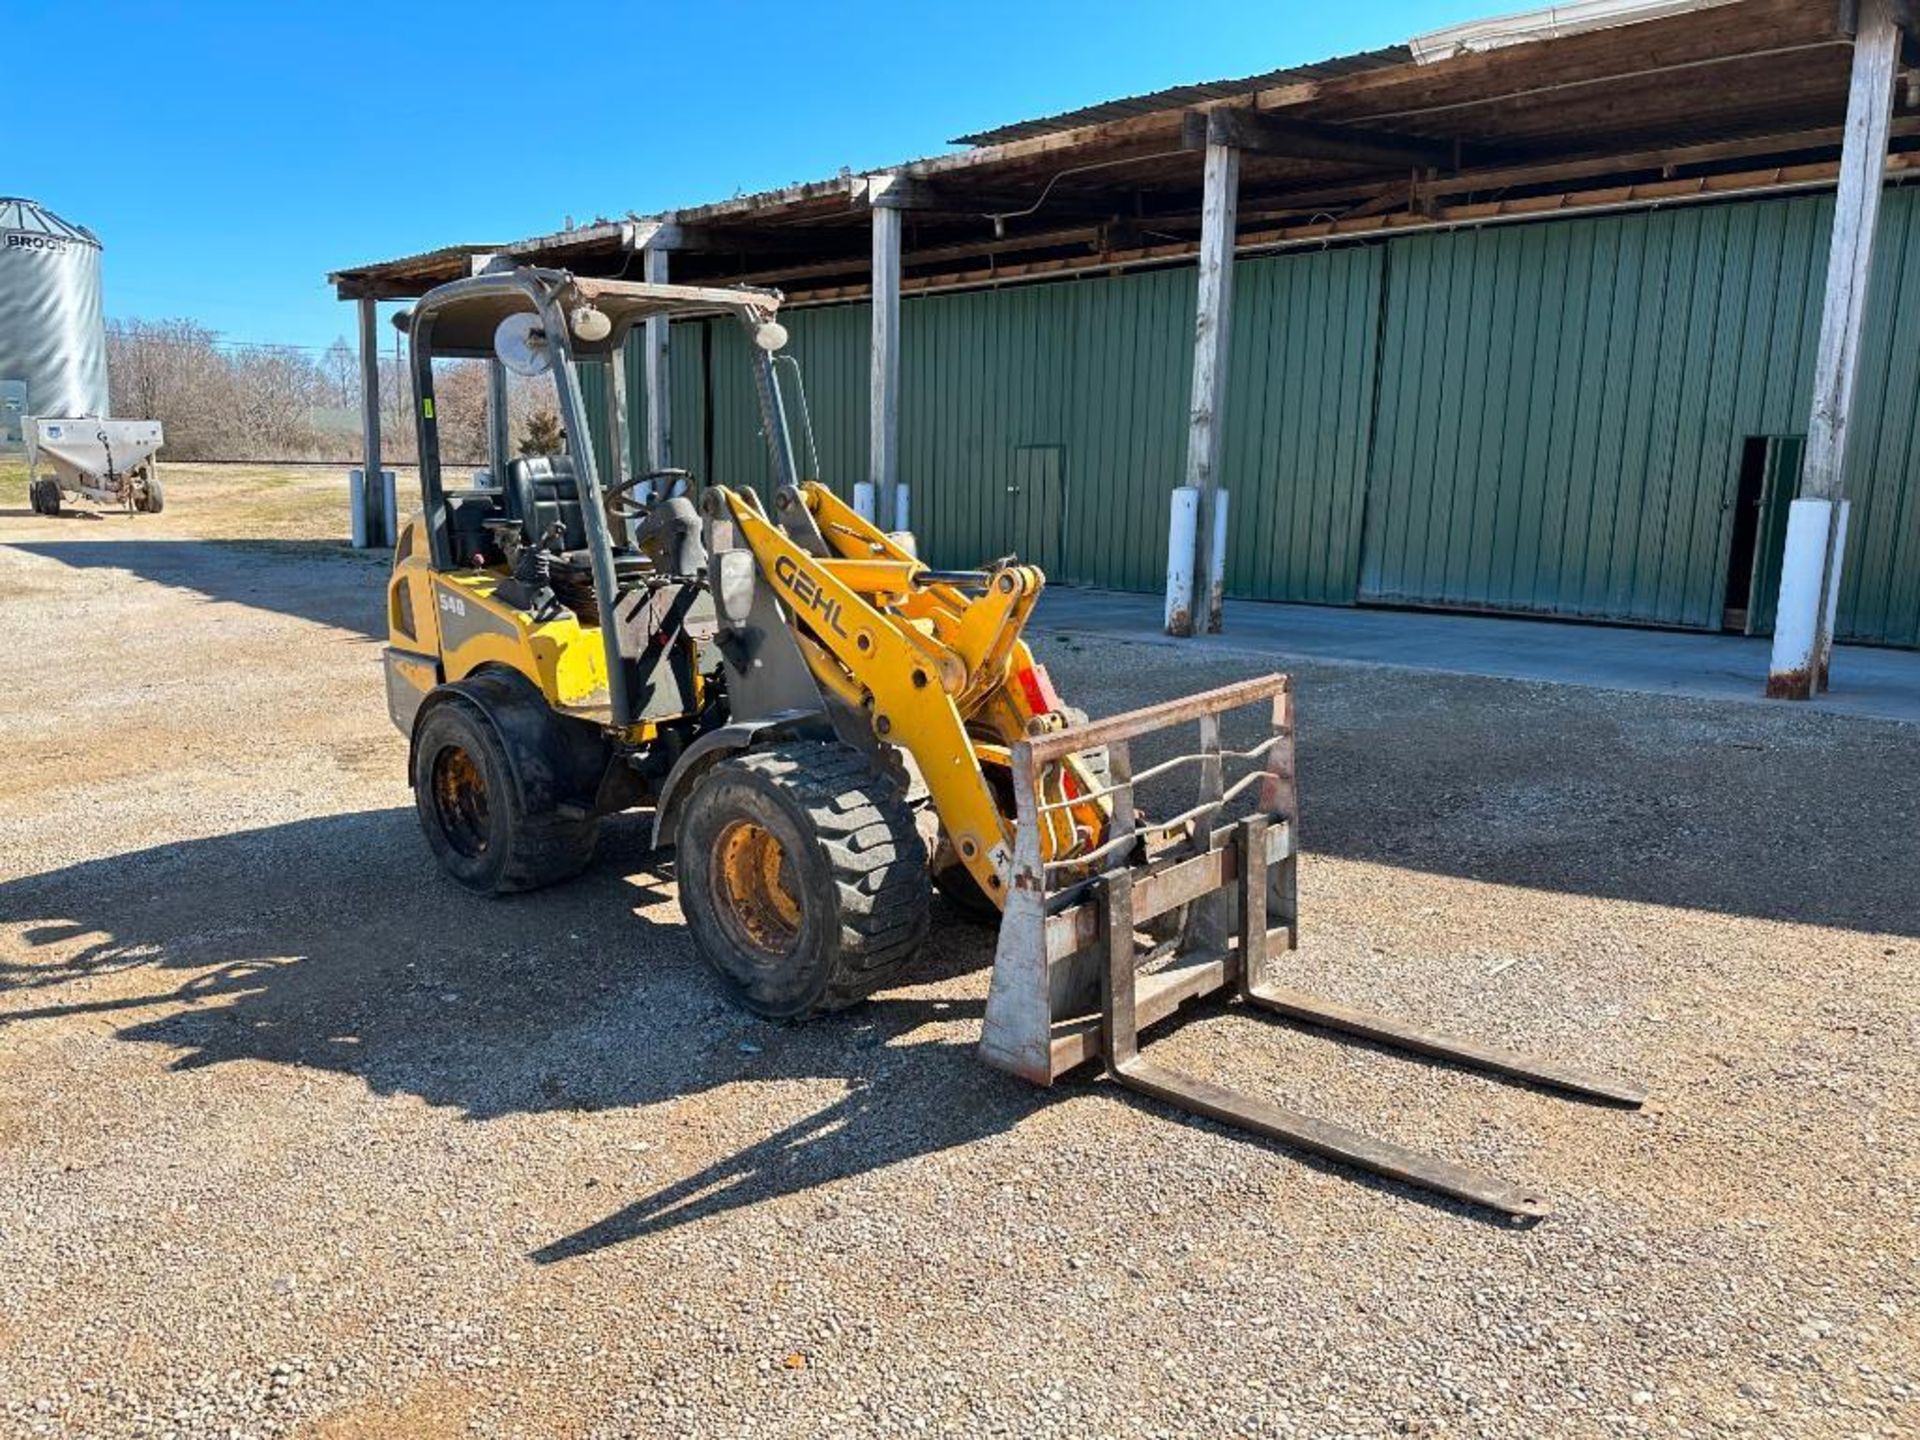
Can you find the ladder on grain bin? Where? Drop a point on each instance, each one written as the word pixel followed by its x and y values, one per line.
pixel 1075 979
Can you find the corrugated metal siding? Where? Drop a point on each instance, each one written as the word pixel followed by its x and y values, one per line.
pixel 1299 405
pixel 1880 583
pixel 1556 426
pixel 1096 373
pixel 1562 409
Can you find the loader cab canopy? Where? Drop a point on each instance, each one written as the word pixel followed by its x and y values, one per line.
pixel 538 323
pixel 464 316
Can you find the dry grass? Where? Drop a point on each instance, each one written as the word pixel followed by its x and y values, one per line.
pixel 237 502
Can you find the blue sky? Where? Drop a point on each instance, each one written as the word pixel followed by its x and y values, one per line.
pixel 235 153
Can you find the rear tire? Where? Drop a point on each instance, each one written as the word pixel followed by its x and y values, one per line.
pixel 154 497
pixel 475 813
pixel 44 496
pixel 803 878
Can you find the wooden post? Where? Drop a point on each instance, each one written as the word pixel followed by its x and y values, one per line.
pixel 656 376
pixel 883 446
pixel 499 422
pixel 619 433
pixel 1816 523
pixel 1211 325
pixel 370 519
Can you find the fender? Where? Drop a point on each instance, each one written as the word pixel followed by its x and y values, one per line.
pixel 716 745
pixel 555 761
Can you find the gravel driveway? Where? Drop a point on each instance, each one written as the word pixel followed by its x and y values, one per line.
pixel 297 1139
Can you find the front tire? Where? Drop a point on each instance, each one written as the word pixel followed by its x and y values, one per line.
pixel 153 497
pixel 803 878
pixel 44 496
pixel 476 816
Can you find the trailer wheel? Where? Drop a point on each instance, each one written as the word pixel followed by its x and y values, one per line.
pixel 44 496
pixel 476 815
pixel 153 498
pixel 803 878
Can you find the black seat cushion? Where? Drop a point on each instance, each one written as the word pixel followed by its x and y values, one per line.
pixel 546 492
pixel 468 514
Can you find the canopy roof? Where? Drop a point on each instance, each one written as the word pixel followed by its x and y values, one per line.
pixel 1730 98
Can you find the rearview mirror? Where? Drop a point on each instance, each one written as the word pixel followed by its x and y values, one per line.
pixel 521 343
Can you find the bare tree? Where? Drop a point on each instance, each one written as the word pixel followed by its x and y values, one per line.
pixel 460 405
pixel 341 366
pixel 245 403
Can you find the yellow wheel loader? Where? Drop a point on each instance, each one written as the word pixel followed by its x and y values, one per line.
pixel 770 677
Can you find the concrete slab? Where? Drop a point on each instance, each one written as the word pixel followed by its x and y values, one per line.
pixel 1884 684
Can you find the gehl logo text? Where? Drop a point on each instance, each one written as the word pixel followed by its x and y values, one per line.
pixel 807 591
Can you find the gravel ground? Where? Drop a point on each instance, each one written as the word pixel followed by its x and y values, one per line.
pixel 297 1139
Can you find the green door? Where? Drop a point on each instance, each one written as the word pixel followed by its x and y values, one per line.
pixel 1785 454
pixel 1037 507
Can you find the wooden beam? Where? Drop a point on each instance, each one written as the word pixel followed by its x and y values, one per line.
pixel 1779 180
pixel 1309 140
pixel 499 421
pixel 1850 254
pixel 883 446
pixel 908 192
pixel 372 510
pixel 1816 526
pixel 1213 312
pixel 655 371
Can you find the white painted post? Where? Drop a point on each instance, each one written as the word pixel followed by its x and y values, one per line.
pixel 1180 554
pixel 655 371
pixel 1803 628
pixel 389 509
pixel 1217 563
pixel 1836 553
pixel 1211 324
pixel 883 445
pixel 364 527
pixel 357 509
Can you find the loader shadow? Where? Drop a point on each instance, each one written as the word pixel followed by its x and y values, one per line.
pixel 334 944
pixel 324 581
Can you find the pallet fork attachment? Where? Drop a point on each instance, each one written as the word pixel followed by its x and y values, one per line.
pixel 1074 981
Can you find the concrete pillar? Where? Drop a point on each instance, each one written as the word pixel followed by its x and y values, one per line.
pixel 1213 313
pixel 1810 572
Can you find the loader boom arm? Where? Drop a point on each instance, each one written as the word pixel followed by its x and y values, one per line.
pixel 940 671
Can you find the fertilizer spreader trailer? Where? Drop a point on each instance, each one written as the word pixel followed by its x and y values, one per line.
pixel 108 462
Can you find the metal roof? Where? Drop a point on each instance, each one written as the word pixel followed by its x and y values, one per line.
pixel 1713 100
pixel 34 218
pixel 1179 95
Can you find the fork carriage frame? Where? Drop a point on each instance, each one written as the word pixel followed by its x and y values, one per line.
pixel 1068 983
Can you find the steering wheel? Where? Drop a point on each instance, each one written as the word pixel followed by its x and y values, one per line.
pixel 624 503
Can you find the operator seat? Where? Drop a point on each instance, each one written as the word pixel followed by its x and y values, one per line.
pixel 544 491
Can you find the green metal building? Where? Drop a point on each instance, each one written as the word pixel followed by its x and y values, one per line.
pixel 1593 417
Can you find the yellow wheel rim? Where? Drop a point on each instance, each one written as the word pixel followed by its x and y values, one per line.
pixel 753 883
pixel 460 801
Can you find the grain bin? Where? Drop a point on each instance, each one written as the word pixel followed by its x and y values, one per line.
pixel 53 337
